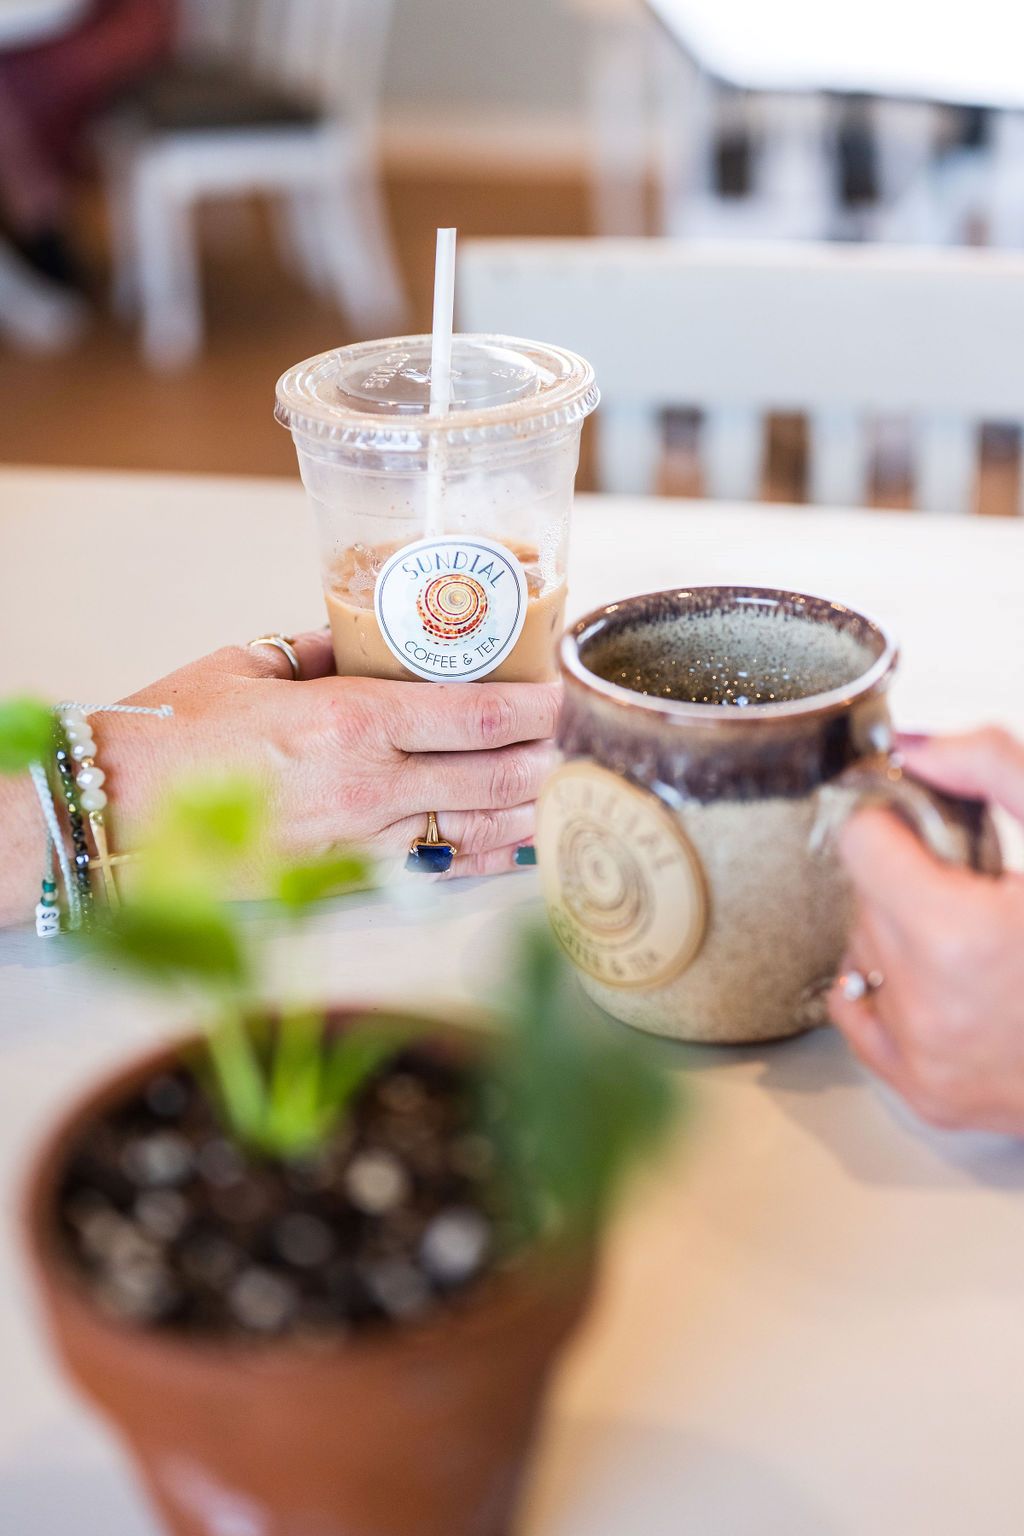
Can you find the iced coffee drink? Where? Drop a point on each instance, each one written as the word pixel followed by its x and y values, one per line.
pixel 443 539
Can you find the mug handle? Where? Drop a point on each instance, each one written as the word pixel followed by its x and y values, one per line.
pixel 957 830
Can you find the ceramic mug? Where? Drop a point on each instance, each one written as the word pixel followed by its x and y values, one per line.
pixel 713 738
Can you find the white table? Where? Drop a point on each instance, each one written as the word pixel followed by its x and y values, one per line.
pixel 960 54
pixel 812 1322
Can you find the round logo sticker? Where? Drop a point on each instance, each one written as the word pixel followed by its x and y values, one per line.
pixel 622 883
pixel 451 608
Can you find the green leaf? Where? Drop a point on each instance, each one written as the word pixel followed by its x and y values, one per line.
pixel 26 734
pixel 216 818
pixel 300 885
pixel 575 1100
pixel 286 1102
pixel 174 936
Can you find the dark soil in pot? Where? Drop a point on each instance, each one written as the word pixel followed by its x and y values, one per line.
pixel 348 1344
pixel 169 1224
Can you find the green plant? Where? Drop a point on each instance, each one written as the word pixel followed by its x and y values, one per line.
pixel 570 1100
pixel 573 1101
pixel 283 1084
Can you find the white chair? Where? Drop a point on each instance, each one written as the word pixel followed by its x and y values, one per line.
pixel 654 114
pixel 843 334
pixel 793 186
pixel 908 138
pixel 619 74
pixel 304 134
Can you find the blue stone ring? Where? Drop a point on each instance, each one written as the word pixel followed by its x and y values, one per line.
pixel 433 854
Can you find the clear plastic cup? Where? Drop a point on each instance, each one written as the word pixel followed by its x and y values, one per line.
pixel 443 539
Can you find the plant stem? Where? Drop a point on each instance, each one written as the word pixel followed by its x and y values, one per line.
pixel 236 1066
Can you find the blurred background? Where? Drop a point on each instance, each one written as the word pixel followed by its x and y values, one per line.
pixel 195 194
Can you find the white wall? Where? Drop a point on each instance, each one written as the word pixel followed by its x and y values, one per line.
pixel 458 58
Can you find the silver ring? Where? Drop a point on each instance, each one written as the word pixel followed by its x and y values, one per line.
pixel 283 643
pixel 856 985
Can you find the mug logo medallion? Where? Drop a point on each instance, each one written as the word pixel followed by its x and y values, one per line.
pixel 451 608
pixel 623 885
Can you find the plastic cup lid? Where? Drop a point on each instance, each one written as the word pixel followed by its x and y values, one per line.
pixel 376 395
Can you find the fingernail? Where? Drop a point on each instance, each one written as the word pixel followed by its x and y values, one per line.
pixel 525 855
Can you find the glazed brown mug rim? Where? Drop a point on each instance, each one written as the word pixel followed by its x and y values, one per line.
pixel 872 680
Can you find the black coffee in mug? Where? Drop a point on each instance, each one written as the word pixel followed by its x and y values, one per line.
pixel 759 651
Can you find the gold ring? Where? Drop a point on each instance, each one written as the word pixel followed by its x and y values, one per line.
pixel 283 643
pixel 433 854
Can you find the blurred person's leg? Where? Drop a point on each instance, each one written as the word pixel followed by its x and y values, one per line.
pixel 48 94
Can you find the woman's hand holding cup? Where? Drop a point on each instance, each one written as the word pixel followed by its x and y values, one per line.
pixel 347 760
pixel 944 1024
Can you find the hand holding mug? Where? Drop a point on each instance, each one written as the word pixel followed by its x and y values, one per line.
pixel 945 1024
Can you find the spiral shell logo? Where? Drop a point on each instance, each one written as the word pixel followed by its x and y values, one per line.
pixel 602 884
pixel 623 885
pixel 452 606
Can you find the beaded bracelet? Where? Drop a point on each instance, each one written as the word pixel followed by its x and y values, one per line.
pixel 92 796
pixel 48 906
pixel 48 909
pixel 81 785
pixel 79 841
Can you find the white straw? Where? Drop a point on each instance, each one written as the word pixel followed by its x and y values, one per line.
pixel 444 320
pixel 440 371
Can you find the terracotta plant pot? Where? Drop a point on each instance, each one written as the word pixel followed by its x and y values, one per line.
pixel 419 1429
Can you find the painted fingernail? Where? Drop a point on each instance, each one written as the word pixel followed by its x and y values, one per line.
pixel 525 855
pixel 912 738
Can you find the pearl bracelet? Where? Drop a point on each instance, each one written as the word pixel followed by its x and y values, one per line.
pixel 92 797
